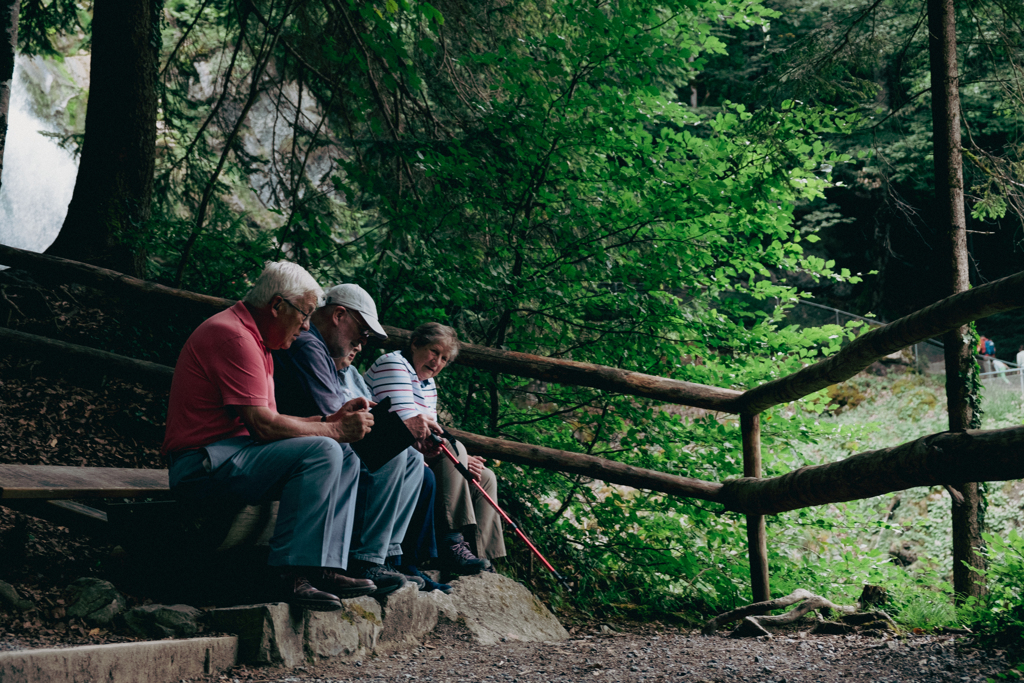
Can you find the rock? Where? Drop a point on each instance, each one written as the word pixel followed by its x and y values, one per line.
pixel 95 601
pixel 902 554
pixel 493 607
pixel 407 614
pixel 487 609
pixel 353 631
pixel 9 598
pixel 279 635
pixel 165 621
pixel 267 633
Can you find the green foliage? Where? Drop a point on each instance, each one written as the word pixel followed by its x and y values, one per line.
pixel 531 174
pixel 579 210
pixel 41 23
pixel 232 251
pixel 1000 613
pixel 924 602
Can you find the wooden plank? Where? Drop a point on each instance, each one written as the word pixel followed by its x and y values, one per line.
pixel 54 481
pixel 67 513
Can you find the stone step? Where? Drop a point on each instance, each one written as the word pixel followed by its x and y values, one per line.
pixel 485 608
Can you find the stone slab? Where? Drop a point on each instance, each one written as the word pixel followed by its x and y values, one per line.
pixel 494 608
pixel 157 661
pixel 408 615
pixel 490 607
pixel 353 632
pixel 277 634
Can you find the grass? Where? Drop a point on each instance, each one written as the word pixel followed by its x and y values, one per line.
pixel 834 549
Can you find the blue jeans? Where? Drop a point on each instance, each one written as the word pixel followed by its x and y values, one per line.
pixel 315 478
pixel 386 501
pixel 420 542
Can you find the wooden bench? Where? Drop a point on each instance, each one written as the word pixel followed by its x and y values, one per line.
pixel 52 491
pixel 55 482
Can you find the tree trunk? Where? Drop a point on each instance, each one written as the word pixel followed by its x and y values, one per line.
pixel 949 193
pixel 9 11
pixel 111 201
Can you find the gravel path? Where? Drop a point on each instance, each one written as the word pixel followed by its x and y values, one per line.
pixel 799 658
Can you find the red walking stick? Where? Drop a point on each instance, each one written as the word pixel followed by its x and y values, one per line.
pixel 504 516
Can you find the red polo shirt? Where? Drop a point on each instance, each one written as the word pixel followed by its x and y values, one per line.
pixel 223 363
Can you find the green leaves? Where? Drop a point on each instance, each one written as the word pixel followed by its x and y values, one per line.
pixel 546 191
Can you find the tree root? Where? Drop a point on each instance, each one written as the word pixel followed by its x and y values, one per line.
pixel 755 620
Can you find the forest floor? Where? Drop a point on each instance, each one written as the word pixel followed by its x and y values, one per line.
pixel 48 420
pixel 646 653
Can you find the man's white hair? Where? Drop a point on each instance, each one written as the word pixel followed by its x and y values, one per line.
pixel 290 280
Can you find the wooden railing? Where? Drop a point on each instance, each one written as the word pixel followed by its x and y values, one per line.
pixel 935 459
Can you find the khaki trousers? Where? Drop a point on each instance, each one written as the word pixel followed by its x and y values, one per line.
pixel 460 505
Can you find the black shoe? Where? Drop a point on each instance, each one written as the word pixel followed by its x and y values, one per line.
pixel 428 583
pixel 386 581
pixel 298 591
pixel 347 586
pixel 391 564
pixel 459 559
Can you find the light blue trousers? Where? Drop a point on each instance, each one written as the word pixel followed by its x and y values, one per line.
pixel 387 499
pixel 315 478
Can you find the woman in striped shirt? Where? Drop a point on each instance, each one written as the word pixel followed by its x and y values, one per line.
pixel 407 377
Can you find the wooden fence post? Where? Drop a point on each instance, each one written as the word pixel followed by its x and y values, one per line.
pixel 757 542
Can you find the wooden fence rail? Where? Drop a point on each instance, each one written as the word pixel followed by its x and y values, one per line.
pixel 950 313
pixel 931 460
pixel 936 459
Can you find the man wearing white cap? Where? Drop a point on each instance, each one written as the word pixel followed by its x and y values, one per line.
pixel 312 377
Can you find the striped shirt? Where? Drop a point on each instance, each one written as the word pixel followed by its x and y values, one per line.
pixel 392 376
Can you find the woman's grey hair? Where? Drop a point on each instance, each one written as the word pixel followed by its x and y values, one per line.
pixel 429 334
pixel 290 280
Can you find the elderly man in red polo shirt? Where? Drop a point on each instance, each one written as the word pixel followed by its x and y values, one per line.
pixel 225 438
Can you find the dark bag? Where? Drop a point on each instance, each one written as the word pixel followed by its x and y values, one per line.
pixel 388 437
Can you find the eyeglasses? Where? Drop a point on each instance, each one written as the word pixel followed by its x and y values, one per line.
pixel 305 316
pixel 364 329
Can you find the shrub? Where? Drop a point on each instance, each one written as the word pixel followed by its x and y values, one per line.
pixel 1000 612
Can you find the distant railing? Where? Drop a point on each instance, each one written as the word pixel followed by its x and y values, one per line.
pixel 926 355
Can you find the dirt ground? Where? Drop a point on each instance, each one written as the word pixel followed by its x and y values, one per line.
pixel 645 654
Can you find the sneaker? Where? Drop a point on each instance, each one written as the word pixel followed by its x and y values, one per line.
pixel 386 581
pixel 347 586
pixel 298 591
pixel 428 583
pixel 459 559
pixel 392 566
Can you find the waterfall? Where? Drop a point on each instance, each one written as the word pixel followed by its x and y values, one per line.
pixel 38 176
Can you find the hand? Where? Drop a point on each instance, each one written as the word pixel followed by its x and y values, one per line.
pixel 422 427
pixel 430 448
pixel 476 466
pixel 353 420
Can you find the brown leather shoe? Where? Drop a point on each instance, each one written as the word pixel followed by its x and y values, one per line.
pixel 298 591
pixel 347 586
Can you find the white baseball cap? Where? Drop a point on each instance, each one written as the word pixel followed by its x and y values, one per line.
pixel 357 299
